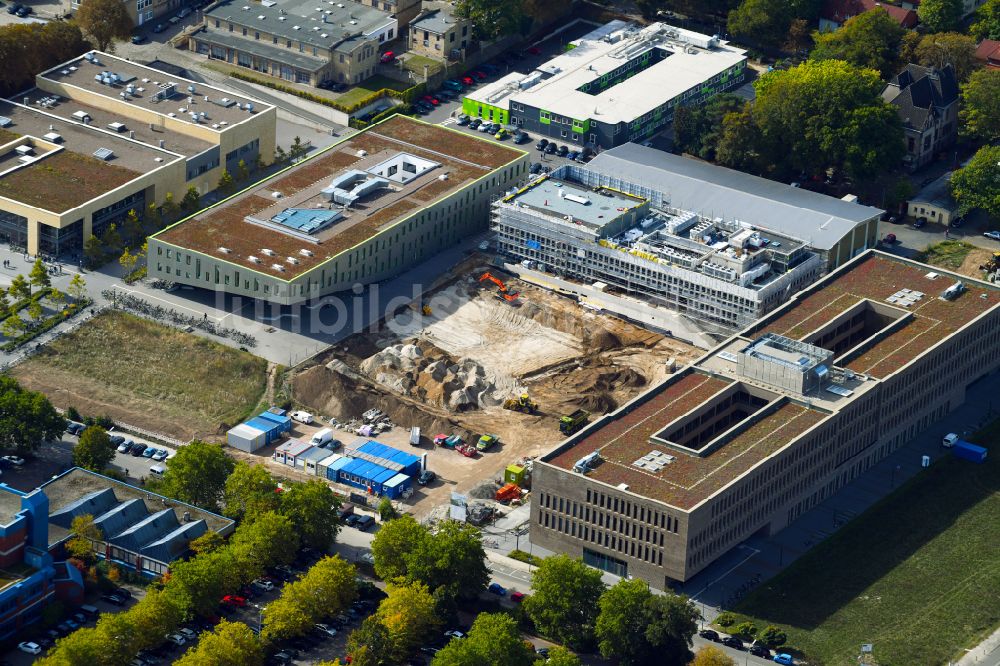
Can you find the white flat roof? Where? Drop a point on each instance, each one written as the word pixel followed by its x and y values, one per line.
pixel 687 66
pixel 499 92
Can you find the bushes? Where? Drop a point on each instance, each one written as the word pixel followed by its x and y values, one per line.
pixel 406 96
pixel 46 325
pixel 522 556
pixel 725 619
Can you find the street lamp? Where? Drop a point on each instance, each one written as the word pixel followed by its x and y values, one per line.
pixel 260 618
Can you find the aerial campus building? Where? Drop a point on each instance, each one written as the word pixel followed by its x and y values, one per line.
pixel 358 212
pixel 771 422
pixel 619 83
pixel 719 246
pixel 100 136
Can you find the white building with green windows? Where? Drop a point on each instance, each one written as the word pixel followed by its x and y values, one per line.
pixel 619 83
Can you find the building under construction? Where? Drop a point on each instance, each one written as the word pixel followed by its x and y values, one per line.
pixel 718 246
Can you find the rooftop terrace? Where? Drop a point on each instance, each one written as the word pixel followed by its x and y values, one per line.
pixel 221 107
pixel 462 157
pixel 687 479
pixel 877 278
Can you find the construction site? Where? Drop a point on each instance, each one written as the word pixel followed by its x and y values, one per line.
pixel 486 354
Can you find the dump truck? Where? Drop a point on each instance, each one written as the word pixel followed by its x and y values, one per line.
pixel 570 424
pixel 487 442
pixel 522 403
pixel 508 492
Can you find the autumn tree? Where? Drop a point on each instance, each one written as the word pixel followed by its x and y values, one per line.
pixel 709 655
pixel 250 491
pixel 94 451
pixel 409 613
pixel 947 48
pixel 85 534
pixel 870 40
pixel 229 644
pixel 105 21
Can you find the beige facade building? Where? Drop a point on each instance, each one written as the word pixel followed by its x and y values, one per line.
pixel 438 33
pixel 297 40
pixel 403 10
pixel 770 423
pixel 358 212
pixel 99 136
pixel 927 102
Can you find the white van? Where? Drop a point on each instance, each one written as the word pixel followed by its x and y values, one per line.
pixel 415 436
pixel 302 417
pixel 322 437
pixel 157 470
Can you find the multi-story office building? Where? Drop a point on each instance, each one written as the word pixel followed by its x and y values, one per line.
pixel 771 422
pixel 358 212
pixel 100 136
pixel 619 83
pixel 719 246
pixel 297 40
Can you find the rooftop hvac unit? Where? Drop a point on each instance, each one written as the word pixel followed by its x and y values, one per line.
pixel 953 292
pixel 306 253
pixel 278 267
pixel 104 154
pixel 253 260
pixel 249 107
pixel 268 252
pixel 24 150
pixel 53 137
pixel 224 250
pixel 292 260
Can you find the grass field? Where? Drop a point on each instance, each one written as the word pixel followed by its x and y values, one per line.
pixel 947 254
pixel 148 375
pixel 918 575
pixel 372 85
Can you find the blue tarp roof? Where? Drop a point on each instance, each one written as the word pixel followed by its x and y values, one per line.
pixel 340 463
pixel 368 471
pixel 374 448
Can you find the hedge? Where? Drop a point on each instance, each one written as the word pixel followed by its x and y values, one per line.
pixel 357 123
pixel 407 95
pixel 25 302
pixel 47 324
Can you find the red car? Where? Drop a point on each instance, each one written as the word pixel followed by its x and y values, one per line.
pixel 234 600
pixel 517 597
pixel 434 101
pixel 387 57
pixel 479 75
pixel 468 80
pixel 534 50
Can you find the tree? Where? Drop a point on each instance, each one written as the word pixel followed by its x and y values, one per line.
pixel 39 275
pixel 128 261
pixel 132 228
pixel 827 114
pixel 492 19
pixel 19 288
pixel 393 545
pixel 242 172
pixel 764 22
pixel 940 15
pixel 152 220
pixel 77 287
pixel 870 40
pixel 977 184
pixel 27 418
pixel 745 630
pixel 280 156
pixel 494 639
pixel 798 39
pixel 250 491
pixel 13 326
pixel 155 613
pixel 386 511
pixel 192 199
pixel 206 543
pixel 739 141
pixel 271 537
pixel 560 656
pixel 622 623
pixel 27 49
pixel 772 636
pixel 297 151
pixel 94 451
pixel 564 602
pixel 312 508
pixel 34 311
pixel 369 644
pixel 197 474
pixel 409 614
pixel 947 48
pixel 199 583
pixel 93 252
pixel 169 207
pixel 709 655
pixel 112 240
pixel 85 533
pixel 56 297
pixel 226 182
pixel 987 21
pixel 229 644
pixel 326 589
pixel 698 129
pixel 674 620
pixel 105 21
pixel 452 562
pixel 980 113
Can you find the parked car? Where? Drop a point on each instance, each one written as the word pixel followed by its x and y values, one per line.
pixel 364 523
pixel 184 12
pixel 25 11
pixel 463 119
pixel 468 80
pixel 74 428
pixel 453 633
pixel 30 647
pixel 920 222
pixel 12 9
pixel 475 123
pixel 234 600
pixel 497 589
pixel 161 454
pixel 517 597
pixel 302 417
pixel 137 449
pixel 113 599
pixel 265 584
pixel 430 99
pixel 542 144
pixel 387 57
pixel 159 27
pixel 149 452
pixel 550 149
pixel 426 476
pixel 118 439
pixel 563 151
pixel 16 461
pixel 957 222
pixel 572 155
pixel 501 134
pixel 890 239
pixel 708 634
pixel 542 652
pixel 122 592
pixel 995 235
pixel 489 69
pixel 760 651
pixel 188 633
pixel 176 639
pixel 733 642
pixel 452 84
pixel 784 658
pixel 521 137
pixel 327 629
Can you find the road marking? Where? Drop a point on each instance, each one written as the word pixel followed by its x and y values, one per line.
pixel 734 568
pixel 448 121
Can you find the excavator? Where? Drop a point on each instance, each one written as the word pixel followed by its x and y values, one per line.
pixel 521 404
pixel 992 264
pixel 502 291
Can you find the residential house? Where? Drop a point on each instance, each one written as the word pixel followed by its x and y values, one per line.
pixel 439 33
pixel 927 101
pixel 988 53
pixel 836 12
pixel 934 203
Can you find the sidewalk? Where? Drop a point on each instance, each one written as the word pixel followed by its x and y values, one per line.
pixel 986 653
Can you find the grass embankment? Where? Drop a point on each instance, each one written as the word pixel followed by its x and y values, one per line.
pixel 918 575
pixel 947 254
pixel 148 375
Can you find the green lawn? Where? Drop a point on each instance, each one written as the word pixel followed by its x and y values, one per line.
pixel 918 575
pixel 947 254
pixel 369 86
pixel 148 375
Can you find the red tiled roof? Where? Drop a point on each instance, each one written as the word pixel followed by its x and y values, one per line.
pixel 988 53
pixel 840 11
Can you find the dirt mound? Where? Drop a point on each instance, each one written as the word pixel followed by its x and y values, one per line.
pixel 619 379
pixel 603 340
pixel 597 403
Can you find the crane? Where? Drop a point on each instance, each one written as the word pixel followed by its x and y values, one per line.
pixel 502 291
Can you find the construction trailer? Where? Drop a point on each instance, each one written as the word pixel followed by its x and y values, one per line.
pixel 311 458
pixel 246 438
pixel 266 428
pixel 288 453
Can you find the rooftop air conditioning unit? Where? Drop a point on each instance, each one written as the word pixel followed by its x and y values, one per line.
pixel 253 260
pixel 268 252
pixel 292 260
pixel 224 250
pixel 278 267
pixel 306 253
